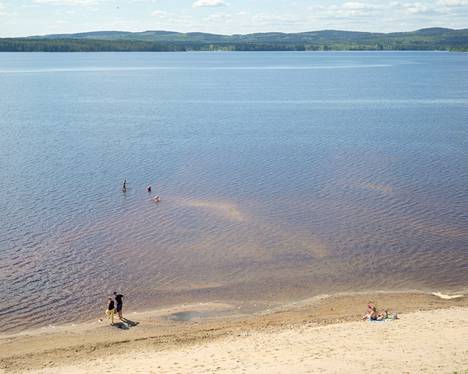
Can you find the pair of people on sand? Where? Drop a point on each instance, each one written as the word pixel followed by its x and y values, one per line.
pixel 113 307
pixel 373 315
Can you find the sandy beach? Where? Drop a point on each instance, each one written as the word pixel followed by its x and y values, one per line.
pixel 322 334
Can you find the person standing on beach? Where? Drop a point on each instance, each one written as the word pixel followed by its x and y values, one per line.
pixel 110 310
pixel 119 302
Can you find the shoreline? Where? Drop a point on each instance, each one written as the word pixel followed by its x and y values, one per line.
pixel 220 309
pixel 194 323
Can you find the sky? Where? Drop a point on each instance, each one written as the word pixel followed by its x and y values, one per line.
pixel 38 17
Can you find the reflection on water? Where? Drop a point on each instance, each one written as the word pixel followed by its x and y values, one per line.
pixel 276 183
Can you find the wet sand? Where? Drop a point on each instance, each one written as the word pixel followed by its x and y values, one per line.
pixel 318 334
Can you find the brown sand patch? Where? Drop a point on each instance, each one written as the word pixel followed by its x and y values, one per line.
pixel 223 209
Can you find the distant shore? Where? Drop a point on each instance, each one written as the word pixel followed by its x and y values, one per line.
pixel 306 335
pixel 428 39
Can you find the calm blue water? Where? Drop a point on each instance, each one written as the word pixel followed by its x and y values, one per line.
pixel 282 176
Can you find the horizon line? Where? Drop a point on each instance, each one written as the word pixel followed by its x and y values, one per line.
pixel 234 34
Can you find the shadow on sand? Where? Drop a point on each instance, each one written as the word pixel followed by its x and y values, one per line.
pixel 186 316
pixel 126 324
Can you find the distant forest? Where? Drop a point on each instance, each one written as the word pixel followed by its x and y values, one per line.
pixel 432 39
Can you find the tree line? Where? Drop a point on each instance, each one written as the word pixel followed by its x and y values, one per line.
pixel 96 45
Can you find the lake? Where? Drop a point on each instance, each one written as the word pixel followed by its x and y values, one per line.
pixel 282 175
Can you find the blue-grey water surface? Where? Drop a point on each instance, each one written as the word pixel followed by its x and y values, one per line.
pixel 282 176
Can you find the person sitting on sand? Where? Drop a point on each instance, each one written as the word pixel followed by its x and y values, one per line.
pixel 387 315
pixel 110 310
pixel 370 308
pixel 371 314
pixel 383 315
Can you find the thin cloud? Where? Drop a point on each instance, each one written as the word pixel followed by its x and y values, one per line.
pixel 453 3
pixel 355 5
pixel 413 8
pixel 159 13
pixel 209 4
pixel 66 2
pixel 347 9
pixel 219 17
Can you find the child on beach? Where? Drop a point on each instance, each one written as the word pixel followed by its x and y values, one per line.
pixel 110 310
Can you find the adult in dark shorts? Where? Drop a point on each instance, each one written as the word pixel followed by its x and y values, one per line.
pixel 119 304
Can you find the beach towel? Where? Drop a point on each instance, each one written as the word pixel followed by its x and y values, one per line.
pixel 389 318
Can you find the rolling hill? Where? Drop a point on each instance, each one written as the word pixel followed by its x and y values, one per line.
pixel 425 39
